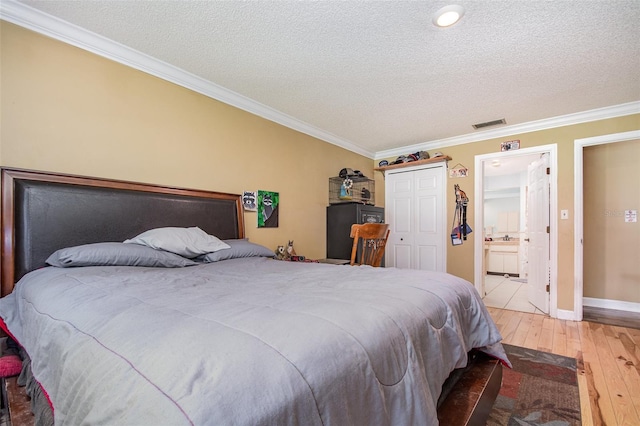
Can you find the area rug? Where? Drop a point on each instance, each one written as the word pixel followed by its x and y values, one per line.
pixel 541 389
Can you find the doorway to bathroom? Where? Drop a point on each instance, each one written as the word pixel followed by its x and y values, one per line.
pixel 515 264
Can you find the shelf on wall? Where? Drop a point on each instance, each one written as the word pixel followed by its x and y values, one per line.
pixel 413 163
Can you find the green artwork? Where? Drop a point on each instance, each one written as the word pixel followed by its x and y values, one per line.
pixel 268 203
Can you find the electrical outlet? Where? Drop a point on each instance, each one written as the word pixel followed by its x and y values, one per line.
pixel 564 214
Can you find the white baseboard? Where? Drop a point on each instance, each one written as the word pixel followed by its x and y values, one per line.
pixel 566 315
pixel 611 304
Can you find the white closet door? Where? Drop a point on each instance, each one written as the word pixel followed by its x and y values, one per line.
pixel 415 211
pixel 398 211
pixel 429 219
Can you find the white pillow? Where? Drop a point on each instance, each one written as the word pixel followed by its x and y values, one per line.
pixel 187 242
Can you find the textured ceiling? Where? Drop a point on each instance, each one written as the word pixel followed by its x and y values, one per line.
pixel 380 75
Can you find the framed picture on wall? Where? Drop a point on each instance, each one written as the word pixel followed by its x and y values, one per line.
pixel 510 145
pixel 249 201
pixel 268 209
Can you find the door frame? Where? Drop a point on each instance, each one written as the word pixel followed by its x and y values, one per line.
pixel 578 199
pixel 480 160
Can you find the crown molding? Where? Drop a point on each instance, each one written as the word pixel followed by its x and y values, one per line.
pixel 50 26
pixel 629 108
pixel 40 22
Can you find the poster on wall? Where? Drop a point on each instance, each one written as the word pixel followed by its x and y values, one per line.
pixel 268 203
pixel 249 201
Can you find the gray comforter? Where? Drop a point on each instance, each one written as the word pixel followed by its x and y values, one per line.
pixel 246 342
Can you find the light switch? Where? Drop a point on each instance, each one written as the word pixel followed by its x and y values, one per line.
pixel 564 214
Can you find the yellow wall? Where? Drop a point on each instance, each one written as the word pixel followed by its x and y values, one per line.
pixel 460 259
pixel 611 256
pixel 67 110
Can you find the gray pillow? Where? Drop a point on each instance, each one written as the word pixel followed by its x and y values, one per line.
pixel 116 254
pixel 238 248
pixel 187 242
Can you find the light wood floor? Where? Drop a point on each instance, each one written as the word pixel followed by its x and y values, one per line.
pixel 608 361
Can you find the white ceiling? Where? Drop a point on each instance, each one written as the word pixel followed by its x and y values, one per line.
pixel 376 77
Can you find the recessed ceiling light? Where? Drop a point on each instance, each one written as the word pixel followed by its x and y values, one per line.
pixel 448 15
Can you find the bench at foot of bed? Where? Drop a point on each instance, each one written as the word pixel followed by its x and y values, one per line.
pixel 469 401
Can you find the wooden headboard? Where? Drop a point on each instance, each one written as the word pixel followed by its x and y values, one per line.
pixel 43 212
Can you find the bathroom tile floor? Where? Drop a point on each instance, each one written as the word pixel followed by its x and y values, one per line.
pixel 505 293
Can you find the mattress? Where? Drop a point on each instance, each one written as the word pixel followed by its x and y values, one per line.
pixel 247 341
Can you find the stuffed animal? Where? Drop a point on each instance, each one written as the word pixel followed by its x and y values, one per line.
pixel 290 250
pixel 281 253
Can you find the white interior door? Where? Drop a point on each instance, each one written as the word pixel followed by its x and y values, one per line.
pixel 398 211
pixel 429 219
pixel 538 223
pixel 415 212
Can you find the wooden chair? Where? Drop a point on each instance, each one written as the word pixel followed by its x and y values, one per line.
pixel 369 240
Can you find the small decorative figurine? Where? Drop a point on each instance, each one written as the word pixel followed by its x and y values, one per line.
pixel 281 253
pixel 290 250
pixel 461 196
pixel 365 194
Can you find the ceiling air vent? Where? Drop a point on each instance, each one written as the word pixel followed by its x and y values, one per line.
pixel 489 123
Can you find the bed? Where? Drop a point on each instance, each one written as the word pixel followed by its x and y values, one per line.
pixel 242 339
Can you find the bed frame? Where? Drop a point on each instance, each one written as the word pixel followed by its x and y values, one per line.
pixel 43 212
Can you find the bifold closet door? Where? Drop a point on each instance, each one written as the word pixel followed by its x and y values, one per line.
pixel 415 211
